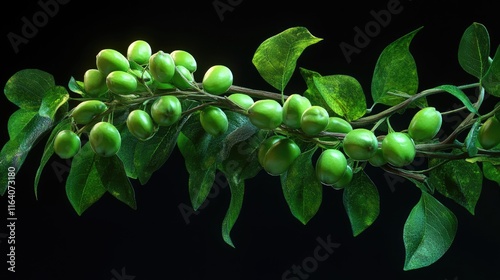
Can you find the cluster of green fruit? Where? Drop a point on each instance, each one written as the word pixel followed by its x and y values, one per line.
pixel 138 74
pixel 334 166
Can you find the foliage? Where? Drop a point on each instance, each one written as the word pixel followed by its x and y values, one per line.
pixel 457 164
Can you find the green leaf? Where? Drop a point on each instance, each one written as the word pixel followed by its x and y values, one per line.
pixel 471 139
pixel 49 150
pixel 27 87
pixel 53 99
pixel 202 152
pixel 474 50
pixel 241 164
pixel 491 80
pixel 361 202
pixel 491 172
pixel 458 93
pixel 458 180
pixel 91 176
pixel 76 86
pixel 276 57
pixel 15 151
pixel 127 150
pixel 428 232
pixel 18 120
pixel 395 71
pixel 301 189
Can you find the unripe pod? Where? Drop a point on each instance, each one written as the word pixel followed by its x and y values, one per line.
pixel 378 159
pixel 241 99
pixel 425 124
pixel 185 59
pixel 121 82
pixel 360 144
pixel 280 156
pixel 105 139
pixel 162 67
pixel 338 125
pixel 166 110
pixel 266 114
pixel 217 80
pixel 266 144
pixel 94 83
pixel 182 78
pixel 66 144
pixel 398 149
pixel 140 124
pixel 214 121
pixel 109 60
pixel 489 133
pixel 139 51
pixel 293 108
pixel 314 120
pixel 87 110
pixel 345 180
pixel 330 166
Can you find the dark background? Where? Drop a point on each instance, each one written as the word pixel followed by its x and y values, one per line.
pixel 154 241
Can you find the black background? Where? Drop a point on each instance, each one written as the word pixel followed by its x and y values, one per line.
pixel 154 241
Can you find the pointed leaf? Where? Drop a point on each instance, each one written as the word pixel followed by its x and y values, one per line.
pixel 49 150
pixel 15 151
pixel 491 80
pixel 491 172
pixel 18 120
pixel 474 50
pixel 239 165
pixel 395 71
pixel 76 86
pixel 471 139
pixel 428 232
pixel 458 93
pixel 361 202
pixel 458 180
pixel 27 87
pixel 53 99
pixel 84 186
pixel 302 190
pixel 276 58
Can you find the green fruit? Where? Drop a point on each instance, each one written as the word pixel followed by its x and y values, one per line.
pixel 217 79
pixel 330 166
pixel 162 67
pixel 398 149
pixel 338 125
pixel 265 145
pixel 293 108
pixel 280 156
pixel 489 133
pixel 87 110
pixel 314 120
pixel 182 78
pixel 241 99
pixel 185 59
pixel 166 110
pixel 266 114
pixel 94 83
pixel 214 121
pixel 139 51
pixel 140 124
pixel 66 144
pixel 425 124
pixel 360 144
pixel 121 82
pixel 109 60
pixel 105 139
pixel 345 180
pixel 378 159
